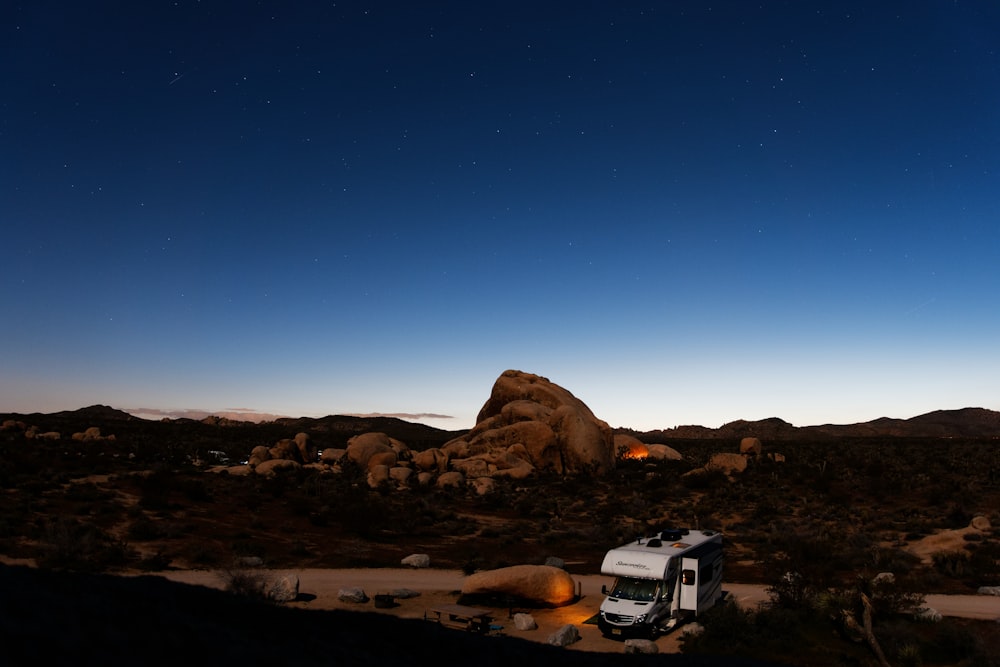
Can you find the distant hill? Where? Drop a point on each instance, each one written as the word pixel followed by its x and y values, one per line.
pixel 961 423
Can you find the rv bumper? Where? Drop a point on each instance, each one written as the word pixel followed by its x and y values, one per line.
pixel 624 631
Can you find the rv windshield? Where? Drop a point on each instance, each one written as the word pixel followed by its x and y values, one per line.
pixel 641 590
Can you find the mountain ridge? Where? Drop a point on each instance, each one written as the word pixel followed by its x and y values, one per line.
pixel 968 422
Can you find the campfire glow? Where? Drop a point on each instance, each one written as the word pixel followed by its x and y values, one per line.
pixel 636 450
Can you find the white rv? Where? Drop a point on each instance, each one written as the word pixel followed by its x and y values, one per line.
pixel 660 581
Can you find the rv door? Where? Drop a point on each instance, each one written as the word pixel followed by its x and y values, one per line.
pixel 689 584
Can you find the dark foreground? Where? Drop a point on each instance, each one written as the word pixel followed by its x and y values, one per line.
pixel 63 618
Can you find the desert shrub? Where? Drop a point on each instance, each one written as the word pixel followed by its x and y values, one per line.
pixel 196 490
pixel 246 547
pixel 955 564
pixel 704 479
pixel 300 549
pixel 155 563
pixel 205 555
pixel 245 582
pixel 472 563
pixel 154 490
pixel 798 567
pixel 958 641
pixel 143 529
pixel 85 492
pixel 732 629
pixel 70 545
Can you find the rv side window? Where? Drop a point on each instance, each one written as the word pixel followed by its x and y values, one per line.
pixel 706 573
pixel 687 577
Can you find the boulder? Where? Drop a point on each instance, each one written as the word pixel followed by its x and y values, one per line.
pixel 434 459
pixel 730 464
pixel 472 468
pixel 523 621
pixel 693 629
pixel 276 466
pixel 542 585
pixel 928 614
pixel 404 593
pixel 400 475
pixel 564 636
pixel 89 435
pixel 630 447
pixel 357 595
pixel 258 455
pixel 417 561
pixel 751 447
pixel 361 448
pixel 988 590
pixel 307 452
pixel 378 475
pixel 484 486
pixel 451 479
pixel 388 459
pixel 663 453
pixel 555 429
pixel 284 588
pixel 285 449
pixel 980 523
pixel 332 455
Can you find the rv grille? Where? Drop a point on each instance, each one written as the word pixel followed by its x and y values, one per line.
pixel 619 619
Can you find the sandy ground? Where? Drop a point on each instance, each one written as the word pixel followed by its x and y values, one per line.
pixel 319 589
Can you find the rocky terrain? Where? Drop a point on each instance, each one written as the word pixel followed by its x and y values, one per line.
pixel 540 476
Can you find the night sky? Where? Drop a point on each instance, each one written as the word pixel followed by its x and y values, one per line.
pixel 682 212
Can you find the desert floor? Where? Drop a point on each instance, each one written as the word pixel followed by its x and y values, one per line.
pixel 319 589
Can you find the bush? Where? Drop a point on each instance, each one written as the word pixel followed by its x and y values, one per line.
pixel 70 545
pixel 245 582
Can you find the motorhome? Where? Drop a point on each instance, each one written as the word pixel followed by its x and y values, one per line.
pixel 660 582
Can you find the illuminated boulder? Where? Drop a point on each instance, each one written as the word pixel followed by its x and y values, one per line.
pixel 630 447
pixel 540 421
pixel 664 453
pixel 542 585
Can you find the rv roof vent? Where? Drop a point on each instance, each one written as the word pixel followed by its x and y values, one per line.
pixel 671 535
pixel 654 542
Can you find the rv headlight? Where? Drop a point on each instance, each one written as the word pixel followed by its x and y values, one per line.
pixel 641 618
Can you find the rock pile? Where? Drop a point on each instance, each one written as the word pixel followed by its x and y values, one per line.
pixel 732 464
pixel 528 424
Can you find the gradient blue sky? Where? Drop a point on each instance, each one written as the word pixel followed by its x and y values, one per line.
pixel 682 213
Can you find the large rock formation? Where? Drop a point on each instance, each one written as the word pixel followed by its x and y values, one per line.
pixel 528 419
pixel 528 424
pixel 541 585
